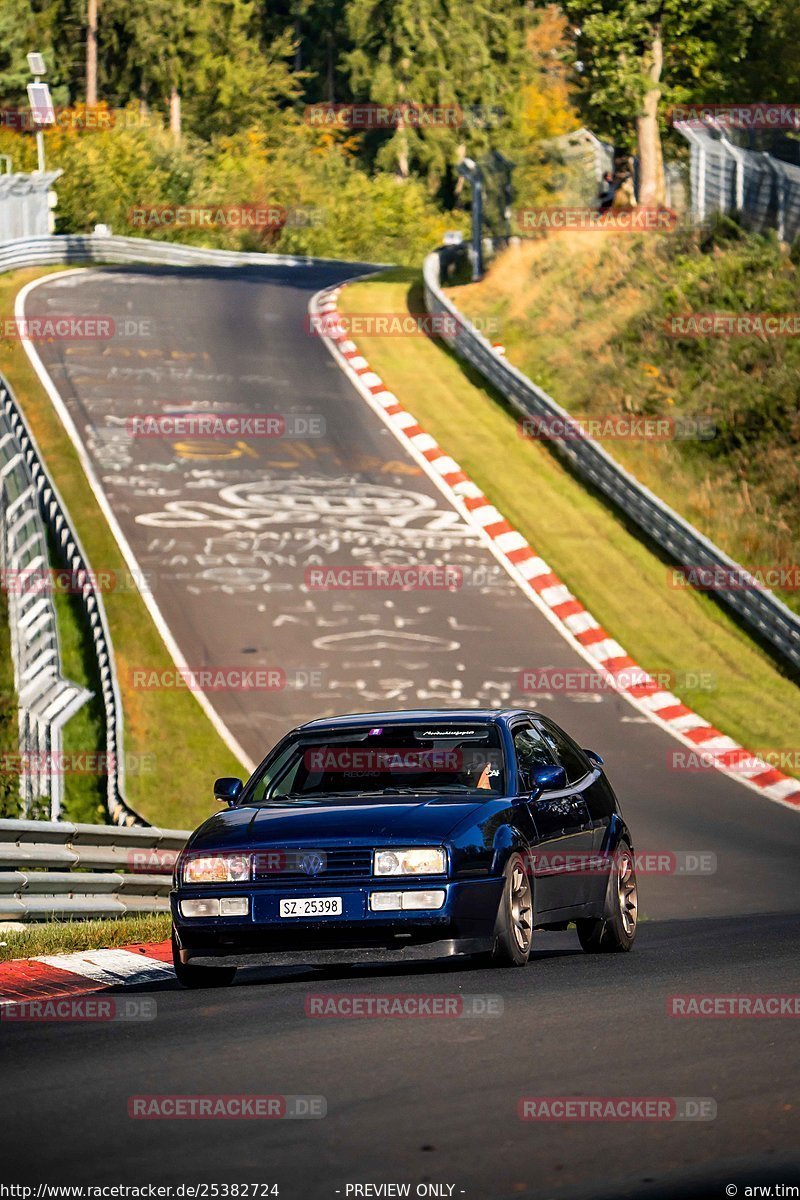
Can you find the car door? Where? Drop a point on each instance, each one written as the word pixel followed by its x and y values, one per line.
pixel 587 780
pixel 561 819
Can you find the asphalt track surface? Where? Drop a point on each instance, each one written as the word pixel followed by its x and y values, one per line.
pixel 226 543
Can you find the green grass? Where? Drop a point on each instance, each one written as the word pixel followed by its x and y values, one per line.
pixel 587 316
pixel 52 937
pixel 621 580
pixel 167 725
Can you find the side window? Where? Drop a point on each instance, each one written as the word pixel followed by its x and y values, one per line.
pixel 531 751
pixel 566 752
pixel 275 771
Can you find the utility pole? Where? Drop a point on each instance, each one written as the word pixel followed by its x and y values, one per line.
pixel 472 172
pixel 91 55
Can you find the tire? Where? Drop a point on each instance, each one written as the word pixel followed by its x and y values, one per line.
pixel 615 931
pixel 513 930
pixel 199 977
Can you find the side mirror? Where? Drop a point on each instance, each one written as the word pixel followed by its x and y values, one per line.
pixel 593 757
pixel 548 779
pixel 227 789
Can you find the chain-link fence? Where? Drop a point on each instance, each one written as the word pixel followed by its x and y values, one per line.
pixel 726 178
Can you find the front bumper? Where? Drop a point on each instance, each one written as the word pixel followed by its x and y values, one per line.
pixel 464 925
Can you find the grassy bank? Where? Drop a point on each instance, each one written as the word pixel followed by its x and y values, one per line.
pixel 52 937
pixel 168 729
pixel 589 317
pixel 618 578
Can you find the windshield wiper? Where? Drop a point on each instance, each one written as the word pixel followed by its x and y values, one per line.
pixel 312 797
pixel 418 791
pixel 303 796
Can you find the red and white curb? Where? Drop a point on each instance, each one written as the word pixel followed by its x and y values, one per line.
pixel 550 594
pixel 51 976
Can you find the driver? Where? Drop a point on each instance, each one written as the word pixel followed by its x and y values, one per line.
pixel 479 772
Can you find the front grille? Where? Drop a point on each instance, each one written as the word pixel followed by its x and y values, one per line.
pixel 288 864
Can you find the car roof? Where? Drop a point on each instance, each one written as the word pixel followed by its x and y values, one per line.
pixel 414 716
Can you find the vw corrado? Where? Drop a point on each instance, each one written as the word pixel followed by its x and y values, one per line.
pixel 396 836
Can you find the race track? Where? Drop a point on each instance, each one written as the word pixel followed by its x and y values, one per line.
pixel 225 534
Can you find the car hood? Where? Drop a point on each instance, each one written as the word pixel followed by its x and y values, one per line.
pixel 366 821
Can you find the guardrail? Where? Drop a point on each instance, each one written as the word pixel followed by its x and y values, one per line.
pixel 762 611
pixel 58 870
pixel 47 701
pixel 45 698
pixel 66 249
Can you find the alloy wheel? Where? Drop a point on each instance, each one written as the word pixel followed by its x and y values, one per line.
pixel 627 893
pixel 521 908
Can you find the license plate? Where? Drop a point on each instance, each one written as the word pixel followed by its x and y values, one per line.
pixel 312 906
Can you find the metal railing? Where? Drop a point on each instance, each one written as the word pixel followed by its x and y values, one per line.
pixel 45 698
pixel 52 870
pixel 34 639
pixel 762 611
pixel 70 248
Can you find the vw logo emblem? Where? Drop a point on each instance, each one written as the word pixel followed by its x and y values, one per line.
pixel 312 863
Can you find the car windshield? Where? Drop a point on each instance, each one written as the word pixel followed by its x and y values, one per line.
pixel 391 761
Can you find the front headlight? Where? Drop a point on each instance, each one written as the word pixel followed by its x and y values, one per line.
pixel 217 868
pixel 424 860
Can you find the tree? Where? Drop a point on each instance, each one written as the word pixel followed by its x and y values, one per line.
pixel 772 70
pixel 636 56
pixel 206 62
pixel 427 53
pixel 236 80
pixel 16 26
pixel 321 43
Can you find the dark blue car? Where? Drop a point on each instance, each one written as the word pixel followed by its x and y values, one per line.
pixel 399 836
